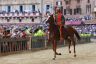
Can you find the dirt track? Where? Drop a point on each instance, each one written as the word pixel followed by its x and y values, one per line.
pixel 86 54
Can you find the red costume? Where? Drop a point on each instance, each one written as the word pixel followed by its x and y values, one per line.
pixel 60 22
pixel 59 19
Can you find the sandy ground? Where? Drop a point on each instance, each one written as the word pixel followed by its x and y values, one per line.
pixel 86 54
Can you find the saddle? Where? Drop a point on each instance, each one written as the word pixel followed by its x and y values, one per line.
pixel 56 32
pixel 65 32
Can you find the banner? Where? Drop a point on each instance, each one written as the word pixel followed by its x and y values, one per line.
pixel 73 22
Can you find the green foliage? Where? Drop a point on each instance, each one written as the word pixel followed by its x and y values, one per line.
pixel 39 33
pixel 85 35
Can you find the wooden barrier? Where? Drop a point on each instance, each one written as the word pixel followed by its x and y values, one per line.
pixel 19 44
pixel 85 40
pixel 13 44
pixel 28 43
pixel 39 42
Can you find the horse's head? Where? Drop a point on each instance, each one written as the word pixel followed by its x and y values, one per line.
pixel 50 20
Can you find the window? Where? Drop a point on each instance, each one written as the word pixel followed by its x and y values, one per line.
pixel 61 9
pixel 59 3
pixel 74 11
pixel 33 8
pixel 64 11
pixel 67 2
pixel 88 1
pixel 47 7
pixel 56 3
pixel 9 9
pixel 21 8
pixel 68 10
pixel 78 1
pixel 88 8
pixel 95 14
pixel 78 10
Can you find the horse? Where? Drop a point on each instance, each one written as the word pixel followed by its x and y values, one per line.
pixel 69 34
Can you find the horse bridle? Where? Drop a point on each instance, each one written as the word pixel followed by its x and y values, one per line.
pixel 54 19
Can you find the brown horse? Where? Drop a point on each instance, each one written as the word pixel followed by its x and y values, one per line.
pixel 68 35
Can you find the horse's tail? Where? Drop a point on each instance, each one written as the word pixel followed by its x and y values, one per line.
pixel 77 35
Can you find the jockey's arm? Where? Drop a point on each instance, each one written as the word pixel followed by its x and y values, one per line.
pixel 63 20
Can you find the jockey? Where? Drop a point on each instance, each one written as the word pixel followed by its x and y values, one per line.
pixel 60 20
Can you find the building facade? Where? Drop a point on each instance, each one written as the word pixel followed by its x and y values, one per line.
pixel 19 5
pixel 69 8
pixel 24 9
pixel 76 7
pixel 26 5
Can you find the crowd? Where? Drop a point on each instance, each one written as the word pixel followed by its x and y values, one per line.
pixel 31 16
pixel 83 18
pixel 12 31
pixel 15 31
pixel 20 31
pixel 17 13
pixel 86 29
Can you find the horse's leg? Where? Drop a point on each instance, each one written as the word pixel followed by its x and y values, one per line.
pixel 54 48
pixel 73 42
pixel 69 41
pixel 69 46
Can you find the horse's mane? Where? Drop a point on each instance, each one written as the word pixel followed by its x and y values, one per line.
pixel 51 20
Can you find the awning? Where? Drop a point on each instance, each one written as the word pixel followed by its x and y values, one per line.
pixel 73 22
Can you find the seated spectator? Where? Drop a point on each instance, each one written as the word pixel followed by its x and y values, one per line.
pixel 15 34
pixel 23 34
pixel 6 34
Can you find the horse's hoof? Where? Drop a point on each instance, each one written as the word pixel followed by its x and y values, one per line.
pixel 74 55
pixel 53 58
pixel 69 51
pixel 58 53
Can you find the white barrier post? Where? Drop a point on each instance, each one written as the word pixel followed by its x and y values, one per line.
pixel 29 43
pixel 45 42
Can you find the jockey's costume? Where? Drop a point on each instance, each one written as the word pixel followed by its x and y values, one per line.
pixel 60 20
